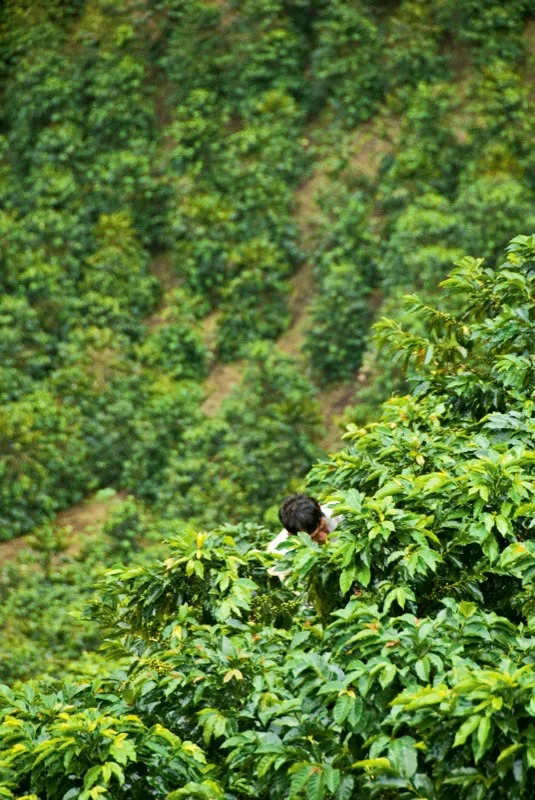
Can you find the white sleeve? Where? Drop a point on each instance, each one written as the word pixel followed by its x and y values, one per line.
pixel 273 548
pixel 332 522
pixel 274 543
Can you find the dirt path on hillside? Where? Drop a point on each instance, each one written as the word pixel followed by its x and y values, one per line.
pixel 223 378
pixel 367 145
pixel 303 290
pixel 84 519
pixel 87 518
pixel 219 385
pixel 162 269
pixel 365 149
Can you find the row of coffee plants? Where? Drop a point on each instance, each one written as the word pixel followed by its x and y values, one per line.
pixel 108 155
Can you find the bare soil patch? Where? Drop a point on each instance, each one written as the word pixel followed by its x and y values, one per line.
pixel 87 519
pixel 84 519
pixel 209 329
pixel 10 550
pixel 334 401
pixel 219 385
pixel 162 269
pixel 303 290
pixel 371 142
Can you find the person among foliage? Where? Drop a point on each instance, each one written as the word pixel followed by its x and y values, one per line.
pixel 300 512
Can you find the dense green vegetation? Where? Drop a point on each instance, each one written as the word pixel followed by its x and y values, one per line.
pixel 394 661
pixel 168 173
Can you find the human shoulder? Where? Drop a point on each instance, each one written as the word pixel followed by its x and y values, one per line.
pixel 279 539
pixel 328 510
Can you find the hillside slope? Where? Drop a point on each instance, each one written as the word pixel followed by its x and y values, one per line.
pixel 205 207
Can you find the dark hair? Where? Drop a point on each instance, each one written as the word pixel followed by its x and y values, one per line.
pixel 299 512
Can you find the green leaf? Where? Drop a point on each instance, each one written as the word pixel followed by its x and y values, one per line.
pixel 97 792
pixel 347 576
pixel 118 772
pixel 503 525
pixel 509 751
pixel 435 481
pixel 332 778
pixel 403 757
pixel 345 788
pixel 299 779
pixel 483 731
pixel 466 729
pixel 424 786
pixel 342 708
pixel 387 675
pixel 352 500
pixel 123 750
pixel 422 668
pixel 467 609
pixel 356 712
pixel 490 548
pixel 316 785
pixel 401 596
pixel 363 574
pixel 91 776
pixel 372 764
pixel 265 764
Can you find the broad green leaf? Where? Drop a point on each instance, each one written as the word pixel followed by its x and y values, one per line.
pixel 332 777
pixel 387 675
pixel 342 708
pixel 118 772
pixel 422 668
pixel 403 757
pixel 509 751
pixel 466 729
pixel 347 576
pixel 300 779
pixel 401 596
pixel 352 500
pixel 483 730
pixel 92 775
pixel 356 712
pixel 265 764
pixel 503 525
pixel 345 788
pixel 316 785
pixel 363 574
pixel 491 548
pixel 467 609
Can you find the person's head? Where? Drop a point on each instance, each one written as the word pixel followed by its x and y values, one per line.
pixel 299 512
